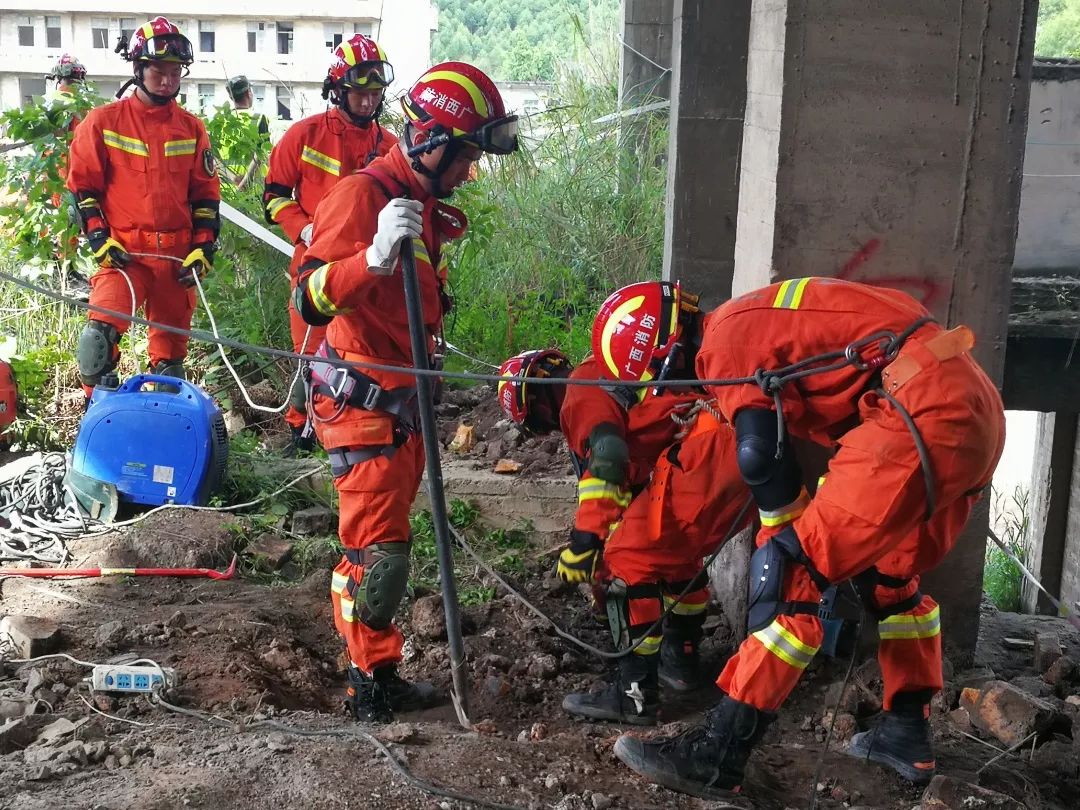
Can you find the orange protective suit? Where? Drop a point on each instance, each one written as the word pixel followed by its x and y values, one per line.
pixel 682 493
pixel 146 173
pixel 313 155
pixel 370 324
pixel 870 508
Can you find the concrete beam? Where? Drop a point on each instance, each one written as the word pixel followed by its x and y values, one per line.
pixel 705 134
pixel 1051 487
pixel 645 55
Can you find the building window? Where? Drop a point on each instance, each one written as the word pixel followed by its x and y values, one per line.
pixel 206 96
pixel 206 36
pixel 26 32
pixel 52 32
pixel 258 97
pixel 284 111
pixel 255 35
pixel 127 27
pixel 99 31
pixel 333 33
pixel 284 37
pixel 31 91
pixel 367 29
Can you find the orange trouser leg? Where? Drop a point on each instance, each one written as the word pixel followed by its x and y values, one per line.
pixel 910 645
pixel 110 290
pixel 171 303
pixel 769 663
pixel 375 497
pixel 304 342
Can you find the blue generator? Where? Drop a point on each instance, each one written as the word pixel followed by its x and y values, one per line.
pixel 156 439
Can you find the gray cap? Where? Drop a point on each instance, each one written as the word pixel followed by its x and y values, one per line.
pixel 237 86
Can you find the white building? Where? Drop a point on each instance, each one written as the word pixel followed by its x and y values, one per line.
pixel 283 48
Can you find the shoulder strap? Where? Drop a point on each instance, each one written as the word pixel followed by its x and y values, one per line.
pixel 383 180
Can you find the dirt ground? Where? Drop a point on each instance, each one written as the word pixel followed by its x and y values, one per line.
pixel 248 652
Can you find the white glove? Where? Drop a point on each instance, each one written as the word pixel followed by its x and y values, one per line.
pixel 400 220
pixel 305 235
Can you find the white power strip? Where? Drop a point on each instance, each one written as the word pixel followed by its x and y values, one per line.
pixel 141 679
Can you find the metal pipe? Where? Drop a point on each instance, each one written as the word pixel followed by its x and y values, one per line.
pixel 436 493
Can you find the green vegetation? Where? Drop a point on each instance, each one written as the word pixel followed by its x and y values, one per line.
pixel 1058 32
pixel 1002 578
pixel 520 40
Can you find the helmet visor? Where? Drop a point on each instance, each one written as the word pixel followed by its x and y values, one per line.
pixel 369 76
pixel 499 137
pixel 169 48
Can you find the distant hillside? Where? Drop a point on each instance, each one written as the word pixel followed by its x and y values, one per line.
pixel 517 40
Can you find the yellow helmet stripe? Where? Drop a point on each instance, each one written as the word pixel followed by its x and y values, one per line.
pixel 470 87
pixel 609 328
pixel 349 55
pixel 148 30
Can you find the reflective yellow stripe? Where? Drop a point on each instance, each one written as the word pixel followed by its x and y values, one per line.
pixel 785 645
pixel 906 625
pixel 594 489
pixel 125 144
pixel 420 250
pixel 204 213
pixel 650 645
pixel 317 292
pixel 785 514
pixel 176 148
pixel 790 294
pixel 88 202
pixel 338 582
pixel 275 205
pixel 684 608
pixel 348 608
pixel 319 160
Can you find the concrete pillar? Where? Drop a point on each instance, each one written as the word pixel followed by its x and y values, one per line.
pixel 705 137
pixel 884 143
pixel 1049 505
pixel 645 55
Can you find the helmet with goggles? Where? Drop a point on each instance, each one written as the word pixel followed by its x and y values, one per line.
pixel 358 64
pixel 533 407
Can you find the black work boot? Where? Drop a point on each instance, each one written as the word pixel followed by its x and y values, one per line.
pixel 403 695
pixel 633 696
pixel 706 761
pixel 366 700
pixel 900 740
pixel 680 659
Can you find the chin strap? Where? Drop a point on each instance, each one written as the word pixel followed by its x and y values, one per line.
pixel 155 98
pixel 435 175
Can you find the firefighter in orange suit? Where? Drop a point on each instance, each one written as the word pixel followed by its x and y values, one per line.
pixel 145 181
pixel 657 490
pixel 918 429
pixel 367 419
pixel 311 158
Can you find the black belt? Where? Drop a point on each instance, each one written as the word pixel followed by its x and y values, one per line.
pixel 358 390
pixel 343 459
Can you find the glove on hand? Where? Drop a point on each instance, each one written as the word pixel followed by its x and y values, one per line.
pixel 401 219
pixel 197 263
pixel 305 234
pixel 578 561
pixel 107 251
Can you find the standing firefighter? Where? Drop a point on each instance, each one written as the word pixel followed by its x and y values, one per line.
pixel 658 488
pixel 145 181
pixel 365 418
pixel 312 157
pixel 918 428
pixel 241 168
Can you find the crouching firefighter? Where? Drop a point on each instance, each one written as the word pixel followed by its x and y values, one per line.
pixel 658 488
pixel 364 417
pixel 917 428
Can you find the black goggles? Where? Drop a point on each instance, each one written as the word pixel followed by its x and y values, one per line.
pixel 169 48
pixel 499 137
pixel 369 76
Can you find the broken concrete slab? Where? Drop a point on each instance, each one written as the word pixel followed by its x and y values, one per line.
pixel 1017 643
pixel 313 521
pixel 18 733
pixel 271 551
pixel 1011 715
pixel 1046 650
pixel 31 635
pixel 947 793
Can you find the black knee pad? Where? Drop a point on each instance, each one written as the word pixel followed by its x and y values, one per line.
pixel 96 352
pixel 775 482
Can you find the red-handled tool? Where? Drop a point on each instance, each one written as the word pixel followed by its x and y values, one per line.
pixel 210 573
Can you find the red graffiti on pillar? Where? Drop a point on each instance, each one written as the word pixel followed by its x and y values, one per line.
pixel 924 290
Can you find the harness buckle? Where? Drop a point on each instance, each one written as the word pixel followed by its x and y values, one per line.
pixel 371 396
pixel 340 389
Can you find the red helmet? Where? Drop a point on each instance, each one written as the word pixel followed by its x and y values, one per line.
pixel 68 68
pixel 157 41
pixel 534 407
pixel 458 101
pixel 637 327
pixel 359 64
